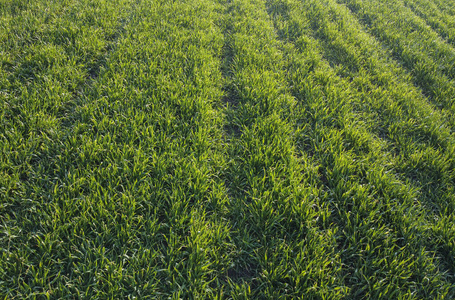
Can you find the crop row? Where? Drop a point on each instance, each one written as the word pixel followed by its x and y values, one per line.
pixel 372 125
pixel 430 59
pixel 442 22
pixel 277 211
pixel 226 149
pixel 110 150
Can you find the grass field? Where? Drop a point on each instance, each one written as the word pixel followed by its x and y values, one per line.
pixel 227 149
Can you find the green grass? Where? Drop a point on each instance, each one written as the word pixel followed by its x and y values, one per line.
pixel 239 149
pixel 441 21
